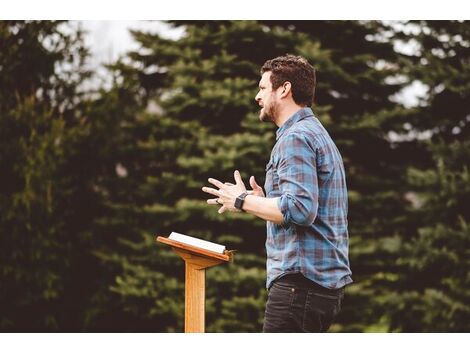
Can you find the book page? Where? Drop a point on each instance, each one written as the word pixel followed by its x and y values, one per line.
pixel 193 241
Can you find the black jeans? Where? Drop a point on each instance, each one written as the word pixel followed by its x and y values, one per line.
pixel 296 304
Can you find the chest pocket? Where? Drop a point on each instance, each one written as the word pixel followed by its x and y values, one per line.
pixel 271 185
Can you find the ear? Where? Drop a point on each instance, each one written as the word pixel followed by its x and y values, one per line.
pixel 285 89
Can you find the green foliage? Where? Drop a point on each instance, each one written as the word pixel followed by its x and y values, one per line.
pixel 88 178
pixel 433 291
pixel 43 240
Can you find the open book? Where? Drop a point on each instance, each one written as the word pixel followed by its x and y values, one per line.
pixel 196 242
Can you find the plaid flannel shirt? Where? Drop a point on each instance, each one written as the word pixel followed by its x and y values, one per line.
pixel 306 172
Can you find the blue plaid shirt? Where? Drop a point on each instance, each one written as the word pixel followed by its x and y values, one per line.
pixel 306 172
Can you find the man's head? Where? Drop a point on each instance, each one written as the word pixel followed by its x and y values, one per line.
pixel 285 80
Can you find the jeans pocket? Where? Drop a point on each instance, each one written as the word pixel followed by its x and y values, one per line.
pixel 320 311
pixel 281 295
pixel 278 315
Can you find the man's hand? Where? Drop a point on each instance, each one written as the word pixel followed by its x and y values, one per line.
pixel 256 190
pixel 228 192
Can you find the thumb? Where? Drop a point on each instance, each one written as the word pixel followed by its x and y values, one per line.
pixel 253 183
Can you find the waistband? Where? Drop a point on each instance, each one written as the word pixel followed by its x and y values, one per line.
pixel 299 281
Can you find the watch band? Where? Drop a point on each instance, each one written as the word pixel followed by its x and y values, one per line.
pixel 240 200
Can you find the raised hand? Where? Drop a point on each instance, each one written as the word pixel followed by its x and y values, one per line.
pixel 227 193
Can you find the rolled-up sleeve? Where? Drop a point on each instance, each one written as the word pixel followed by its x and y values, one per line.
pixel 298 183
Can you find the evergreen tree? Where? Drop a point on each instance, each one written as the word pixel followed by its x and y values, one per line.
pixel 205 83
pixel 435 286
pixel 45 200
pixel 204 99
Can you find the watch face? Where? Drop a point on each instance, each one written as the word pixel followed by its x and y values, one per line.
pixel 240 199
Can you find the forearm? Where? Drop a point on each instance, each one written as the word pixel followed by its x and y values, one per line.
pixel 264 208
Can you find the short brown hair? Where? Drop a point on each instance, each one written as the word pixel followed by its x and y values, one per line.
pixel 297 71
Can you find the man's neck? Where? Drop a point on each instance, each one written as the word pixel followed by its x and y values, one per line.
pixel 285 113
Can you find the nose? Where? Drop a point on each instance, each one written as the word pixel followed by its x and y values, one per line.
pixel 257 97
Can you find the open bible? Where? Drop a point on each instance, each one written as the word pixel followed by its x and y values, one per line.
pixel 196 242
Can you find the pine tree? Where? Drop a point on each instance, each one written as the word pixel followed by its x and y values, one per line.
pixel 204 100
pixel 45 199
pixel 434 289
pixel 206 126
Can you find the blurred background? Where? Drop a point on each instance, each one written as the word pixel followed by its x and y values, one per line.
pixel 103 146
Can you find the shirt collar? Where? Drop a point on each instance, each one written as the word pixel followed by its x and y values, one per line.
pixel 296 117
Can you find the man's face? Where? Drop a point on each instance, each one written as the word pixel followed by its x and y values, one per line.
pixel 267 99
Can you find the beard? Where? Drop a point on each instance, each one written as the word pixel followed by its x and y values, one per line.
pixel 268 112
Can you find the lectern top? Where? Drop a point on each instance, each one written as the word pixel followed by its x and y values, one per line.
pixel 196 250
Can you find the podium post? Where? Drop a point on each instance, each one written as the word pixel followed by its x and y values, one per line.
pixel 197 260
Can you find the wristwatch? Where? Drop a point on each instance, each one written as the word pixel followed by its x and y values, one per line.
pixel 239 201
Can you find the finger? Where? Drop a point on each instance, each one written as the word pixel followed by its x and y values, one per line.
pixel 211 191
pixel 221 209
pixel 212 201
pixel 216 183
pixel 237 177
pixel 253 183
pixel 229 184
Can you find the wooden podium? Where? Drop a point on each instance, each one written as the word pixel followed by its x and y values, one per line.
pixel 196 261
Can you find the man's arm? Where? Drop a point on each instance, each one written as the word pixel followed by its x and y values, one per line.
pixel 298 208
pixel 264 208
pixel 298 180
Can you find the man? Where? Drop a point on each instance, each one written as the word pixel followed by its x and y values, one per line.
pixel 305 204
